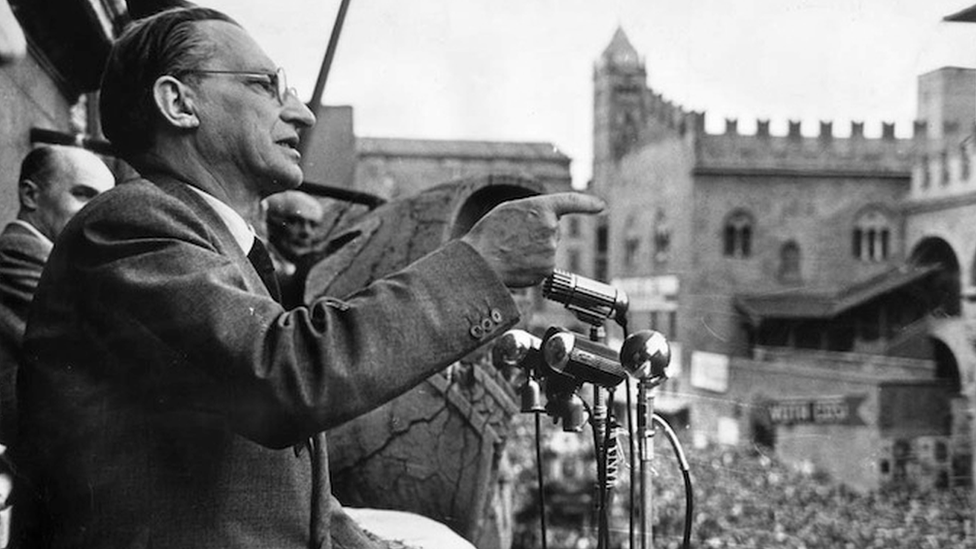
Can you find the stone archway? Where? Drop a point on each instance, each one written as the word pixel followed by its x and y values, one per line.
pixel 945 286
pixel 950 350
pixel 946 365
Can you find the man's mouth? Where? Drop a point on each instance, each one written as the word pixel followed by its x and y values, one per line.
pixel 289 142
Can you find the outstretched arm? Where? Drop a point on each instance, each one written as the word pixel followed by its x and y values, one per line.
pixel 518 238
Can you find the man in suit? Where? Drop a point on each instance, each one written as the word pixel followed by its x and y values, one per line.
pixel 293 219
pixel 169 400
pixel 55 183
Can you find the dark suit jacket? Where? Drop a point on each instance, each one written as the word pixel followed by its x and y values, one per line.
pixel 22 258
pixel 167 401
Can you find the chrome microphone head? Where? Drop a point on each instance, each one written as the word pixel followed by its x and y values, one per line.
pixel 645 354
pixel 585 361
pixel 511 347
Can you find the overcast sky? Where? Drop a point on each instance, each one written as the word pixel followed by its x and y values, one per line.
pixel 521 70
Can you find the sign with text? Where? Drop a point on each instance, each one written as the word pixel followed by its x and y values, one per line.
pixel 838 410
pixel 710 371
pixel 651 293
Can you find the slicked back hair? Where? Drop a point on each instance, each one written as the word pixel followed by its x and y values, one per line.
pixel 167 43
pixel 39 164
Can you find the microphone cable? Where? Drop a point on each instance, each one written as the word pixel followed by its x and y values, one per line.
pixel 632 454
pixel 538 465
pixel 632 462
pixel 679 454
pixel 600 474
pixel 610 454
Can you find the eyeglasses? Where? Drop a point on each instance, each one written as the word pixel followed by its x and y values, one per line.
pixel 276 83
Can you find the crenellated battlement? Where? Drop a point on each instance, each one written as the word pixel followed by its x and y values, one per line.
pixel 920 129
pixel 869 151
pixel 666 112
pixel 825 151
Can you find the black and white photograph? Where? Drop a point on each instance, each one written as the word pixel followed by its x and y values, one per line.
pixel 471 274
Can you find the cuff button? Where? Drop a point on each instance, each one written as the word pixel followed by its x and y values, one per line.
pixel 496 315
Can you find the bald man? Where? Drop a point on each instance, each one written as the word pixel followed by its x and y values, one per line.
pixel 293 219
pixel 55 183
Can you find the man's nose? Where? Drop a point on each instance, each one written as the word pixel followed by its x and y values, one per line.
pixel 296 112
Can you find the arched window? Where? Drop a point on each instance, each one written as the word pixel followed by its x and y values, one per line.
pixel 925 172
pixel 573 223
pixel 628 134
pixel 738 235
pixel 871 239
pixel 789 262
pixel 631 242
pixel 964 162
pixel 944 167
pixel 661 237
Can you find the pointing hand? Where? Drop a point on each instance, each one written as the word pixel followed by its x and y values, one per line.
pixel 518 238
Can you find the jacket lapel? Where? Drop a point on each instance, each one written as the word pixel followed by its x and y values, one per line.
pixel 221 236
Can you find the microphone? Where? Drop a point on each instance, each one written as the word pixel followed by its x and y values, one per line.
pixel 645 354
pixel 591 301
pixel 512 347
pixel 520 349
pixel 583 360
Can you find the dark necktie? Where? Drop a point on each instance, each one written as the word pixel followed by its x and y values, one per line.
pixel 258 256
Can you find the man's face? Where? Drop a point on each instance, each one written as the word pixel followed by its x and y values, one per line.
pixel 293 224
pixel 78 177
pixel 246 134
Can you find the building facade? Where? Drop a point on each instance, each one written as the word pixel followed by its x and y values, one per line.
pixel 813 286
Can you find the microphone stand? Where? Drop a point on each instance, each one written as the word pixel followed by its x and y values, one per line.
pixel 645 429
pixel 597 334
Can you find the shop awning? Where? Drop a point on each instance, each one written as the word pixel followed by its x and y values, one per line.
pixel 808 304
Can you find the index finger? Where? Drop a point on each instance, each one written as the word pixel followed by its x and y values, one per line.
pixel 572 203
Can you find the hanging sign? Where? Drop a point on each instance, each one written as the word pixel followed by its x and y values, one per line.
pixel 839 410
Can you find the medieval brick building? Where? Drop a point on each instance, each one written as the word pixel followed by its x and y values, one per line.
pixel 815 287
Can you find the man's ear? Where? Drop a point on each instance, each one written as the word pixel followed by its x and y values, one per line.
pixel 27 192
pixel 174 101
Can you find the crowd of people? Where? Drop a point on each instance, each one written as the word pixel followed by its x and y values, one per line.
pixel 745 498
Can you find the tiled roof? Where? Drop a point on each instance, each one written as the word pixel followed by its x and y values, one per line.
pixel 383 146
pixel 807 304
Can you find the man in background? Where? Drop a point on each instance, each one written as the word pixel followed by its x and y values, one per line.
pixel 55 183
pixel 293 220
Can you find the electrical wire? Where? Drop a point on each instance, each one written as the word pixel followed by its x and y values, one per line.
pixel 685 474
pixel 600 474
pixel 538 465
pixel 631 461
pixel 605 486
pixel 632 454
